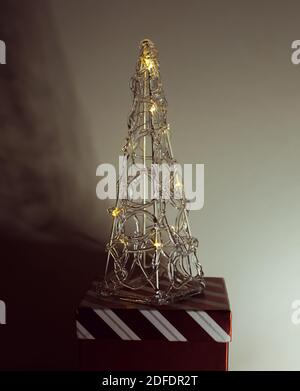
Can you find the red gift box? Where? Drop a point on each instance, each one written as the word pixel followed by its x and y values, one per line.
pixel 193 334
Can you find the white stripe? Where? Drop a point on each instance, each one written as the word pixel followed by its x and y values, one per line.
pixel 225 337
pixel 112 324
pixel 210 326
pixel 83 331
pixel 160 322
pixel 114 317
pixel 164 321
pixel 158 325
pixel 80 335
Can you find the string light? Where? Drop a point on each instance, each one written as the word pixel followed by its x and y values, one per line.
pixel 157 244
pixel 115 212
pixel 153 108
pixel 149 63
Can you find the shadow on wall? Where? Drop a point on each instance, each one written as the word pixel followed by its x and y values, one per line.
pixel 47 194
pixel 47 165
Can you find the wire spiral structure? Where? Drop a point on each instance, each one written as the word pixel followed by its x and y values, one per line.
pixel 150 259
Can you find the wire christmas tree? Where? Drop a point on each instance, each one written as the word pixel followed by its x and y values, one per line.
pixel 151 252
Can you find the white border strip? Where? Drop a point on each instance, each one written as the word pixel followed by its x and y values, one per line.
pixel 80 335
pixel 82 332
pixel 116 324
pixel 114 317
pixel 210 326
pixel 163 325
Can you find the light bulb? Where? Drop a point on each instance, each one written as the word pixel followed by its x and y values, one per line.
pixel 157 244
pixel 116 212
pixel 153 108
pixel 149 63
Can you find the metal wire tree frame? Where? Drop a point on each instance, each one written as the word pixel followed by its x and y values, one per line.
pixel 149 259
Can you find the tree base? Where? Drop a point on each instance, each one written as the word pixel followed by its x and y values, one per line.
pixel 149 296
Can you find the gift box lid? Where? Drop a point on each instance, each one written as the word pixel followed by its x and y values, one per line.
pixel 205 317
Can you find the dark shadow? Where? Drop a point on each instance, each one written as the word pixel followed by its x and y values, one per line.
pixel 42 283
pixel 47 196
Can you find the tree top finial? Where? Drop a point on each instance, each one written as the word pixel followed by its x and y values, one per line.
pixel 148 54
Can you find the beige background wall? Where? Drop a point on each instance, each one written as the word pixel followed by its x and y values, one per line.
pixel 234 101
